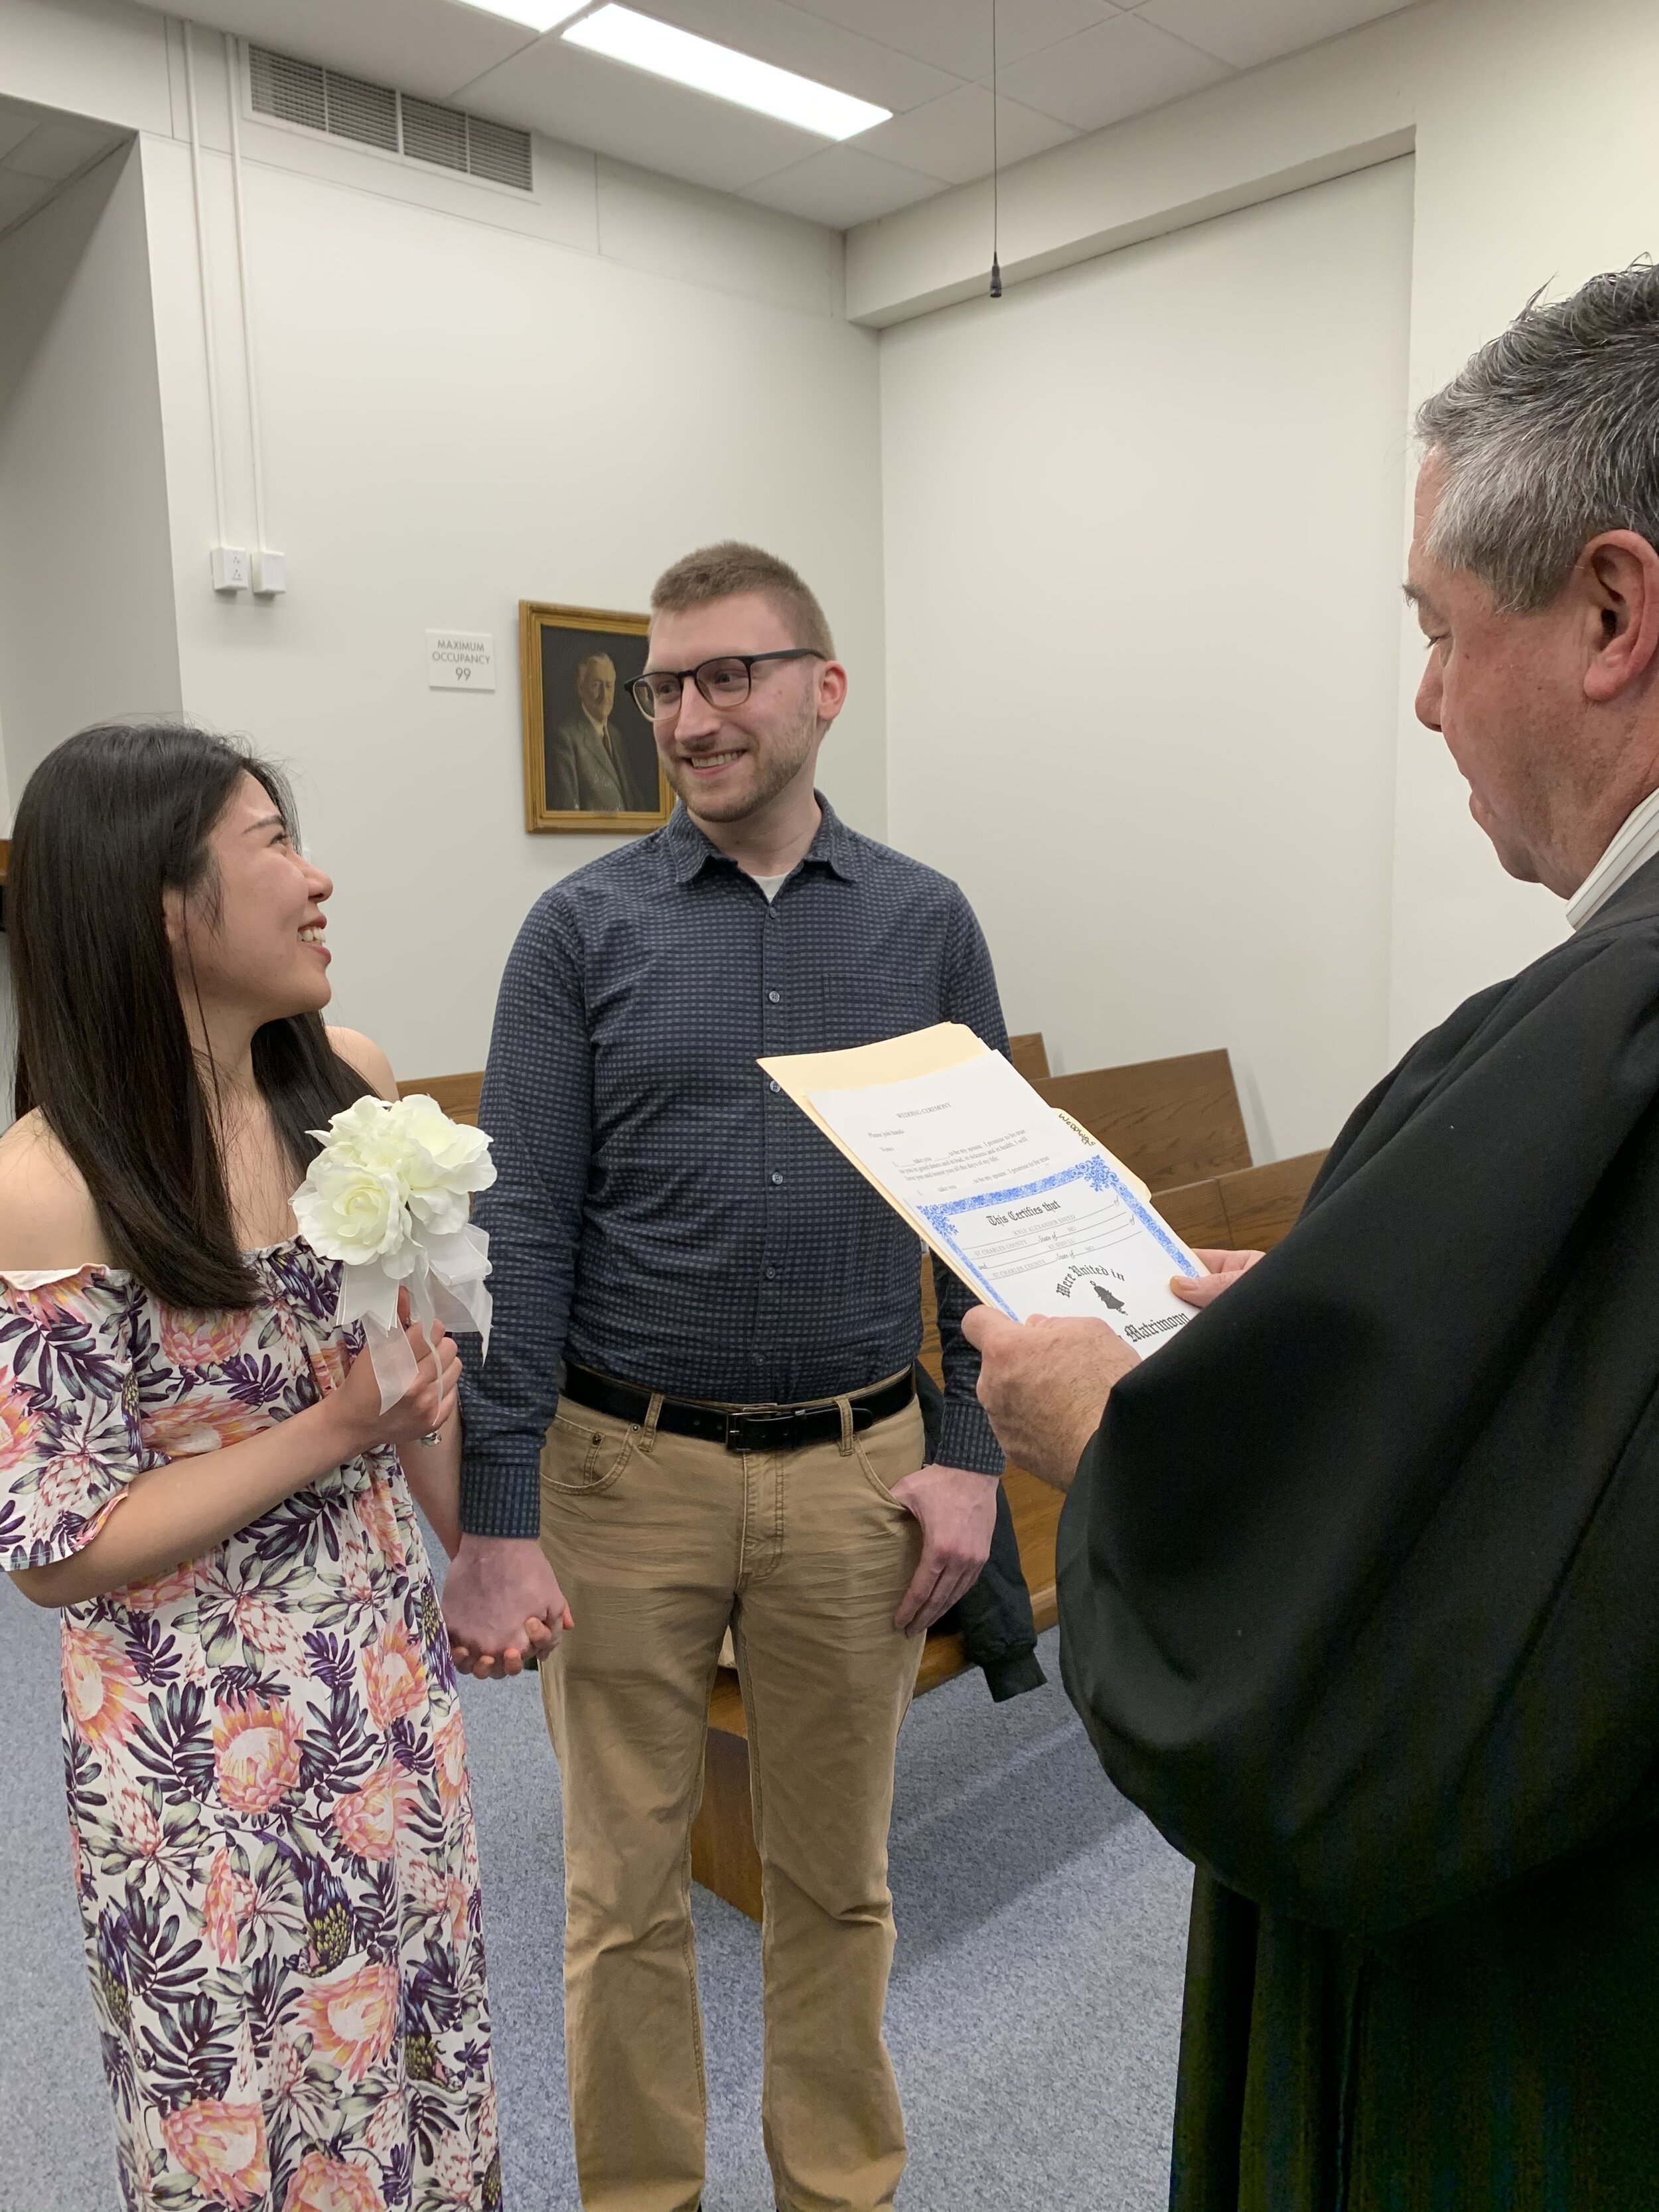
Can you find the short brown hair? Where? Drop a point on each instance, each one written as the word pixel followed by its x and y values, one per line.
pixel 724 571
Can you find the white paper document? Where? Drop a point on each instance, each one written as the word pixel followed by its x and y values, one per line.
pixel 1035 1217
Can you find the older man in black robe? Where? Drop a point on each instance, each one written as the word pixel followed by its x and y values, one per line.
pixel 1360 1574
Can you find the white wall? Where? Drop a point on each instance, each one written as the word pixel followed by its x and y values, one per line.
pixel 87 626
pixel 457 415
pixel 1143 534
pixel 470 396
pixel 1533 166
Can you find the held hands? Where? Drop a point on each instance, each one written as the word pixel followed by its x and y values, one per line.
pixel 502 1606
pixel 957 1510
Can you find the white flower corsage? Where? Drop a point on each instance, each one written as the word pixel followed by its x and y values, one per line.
pixel 387 1197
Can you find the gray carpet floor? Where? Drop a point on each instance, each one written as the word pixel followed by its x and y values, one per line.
pixel 1035 2001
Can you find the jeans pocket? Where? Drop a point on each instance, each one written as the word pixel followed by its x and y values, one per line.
pixel 584 1457
pixel 889 1451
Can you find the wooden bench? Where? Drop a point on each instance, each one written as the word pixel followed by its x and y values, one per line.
pixel 1030 1055
pixel 1248 1211
pixel 458 1095
pixel 1171 1120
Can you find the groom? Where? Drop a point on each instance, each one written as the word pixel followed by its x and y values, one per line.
pixel 735 1441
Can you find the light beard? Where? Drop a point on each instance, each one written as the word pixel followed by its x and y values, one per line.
pixel 776 769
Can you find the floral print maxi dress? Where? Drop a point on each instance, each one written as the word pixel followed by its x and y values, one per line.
pixel 273 1841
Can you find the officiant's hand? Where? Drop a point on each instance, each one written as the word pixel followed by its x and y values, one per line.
pixel 957 1510
pixel 1226 1268
pixel 501 1605
pixel 1045 1383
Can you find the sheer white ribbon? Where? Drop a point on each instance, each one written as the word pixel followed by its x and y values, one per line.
pixel 444 1282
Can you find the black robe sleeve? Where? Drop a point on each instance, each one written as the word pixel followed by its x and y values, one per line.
pixel 1359 1577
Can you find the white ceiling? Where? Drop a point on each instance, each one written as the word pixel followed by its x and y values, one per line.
pixel 1064 67
pixel 40 152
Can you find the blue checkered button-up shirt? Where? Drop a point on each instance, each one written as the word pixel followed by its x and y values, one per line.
pixel 662 1211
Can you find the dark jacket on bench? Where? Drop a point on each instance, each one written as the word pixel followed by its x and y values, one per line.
pixel 994 1619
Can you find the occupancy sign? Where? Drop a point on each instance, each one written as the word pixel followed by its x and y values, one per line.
pixel 460 660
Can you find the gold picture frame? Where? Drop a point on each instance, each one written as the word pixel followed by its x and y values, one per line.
pixel 586 746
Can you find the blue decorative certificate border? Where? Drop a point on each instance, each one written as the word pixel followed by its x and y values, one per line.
pixel 942 1219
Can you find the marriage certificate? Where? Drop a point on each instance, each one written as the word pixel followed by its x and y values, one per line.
pixel 1033 1214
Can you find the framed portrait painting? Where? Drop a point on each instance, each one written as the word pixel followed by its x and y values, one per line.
pixel 590 760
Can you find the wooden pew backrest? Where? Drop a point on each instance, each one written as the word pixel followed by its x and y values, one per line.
pixel 1172 1121
pixel 457 1094
pixel 1248 1211
pixel 1030 1055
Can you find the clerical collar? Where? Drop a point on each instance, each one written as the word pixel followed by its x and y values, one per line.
pixel 1634 844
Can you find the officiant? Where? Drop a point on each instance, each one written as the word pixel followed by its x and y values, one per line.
pixel 1357 1575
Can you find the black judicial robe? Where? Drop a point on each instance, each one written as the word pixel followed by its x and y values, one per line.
pixel 1359 1600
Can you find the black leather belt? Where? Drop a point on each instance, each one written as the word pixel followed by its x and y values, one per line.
pixel 756 1429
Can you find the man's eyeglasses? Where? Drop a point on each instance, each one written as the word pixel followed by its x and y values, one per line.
pixel 723 682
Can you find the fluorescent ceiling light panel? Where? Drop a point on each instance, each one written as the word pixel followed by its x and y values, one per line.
pixel 646 44
pixel 538 15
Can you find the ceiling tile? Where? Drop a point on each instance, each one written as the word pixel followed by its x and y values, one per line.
pixel 951 138
pixel 1025 27
pixel 1119 69
pixel 55 150
pixel 587 100
pixel 812 47
pixel 1266 28
pixel 424 46
pixel 956 34
pixel 841 186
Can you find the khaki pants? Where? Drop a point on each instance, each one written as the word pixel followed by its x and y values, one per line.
pixel 661 1543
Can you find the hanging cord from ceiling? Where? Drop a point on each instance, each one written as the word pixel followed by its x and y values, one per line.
pixel 233 98
pixel 204 280
pixel 996 179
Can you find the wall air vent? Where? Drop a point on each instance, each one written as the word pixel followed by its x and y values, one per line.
pixel 319 99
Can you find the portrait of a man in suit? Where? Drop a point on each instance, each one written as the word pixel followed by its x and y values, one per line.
pixel 599 758
pixel 589 758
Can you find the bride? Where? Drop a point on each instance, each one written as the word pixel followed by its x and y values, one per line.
pixel 273 1841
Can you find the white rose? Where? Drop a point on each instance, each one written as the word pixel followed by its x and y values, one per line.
pixel 365 1133
pixel 442 1162
pixel 452 1146
pixel 349 1211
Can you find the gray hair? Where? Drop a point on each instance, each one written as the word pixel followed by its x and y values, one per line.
pixel 1549 435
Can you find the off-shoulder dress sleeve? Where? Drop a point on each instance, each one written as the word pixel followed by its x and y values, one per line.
pixel 70 1438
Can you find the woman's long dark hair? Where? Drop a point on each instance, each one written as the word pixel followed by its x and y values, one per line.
pixel 113 818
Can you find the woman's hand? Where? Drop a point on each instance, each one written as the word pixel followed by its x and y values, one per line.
pixel 426 1404
pixel 1226 1268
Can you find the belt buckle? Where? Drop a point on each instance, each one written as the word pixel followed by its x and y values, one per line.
pixel 776 1430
